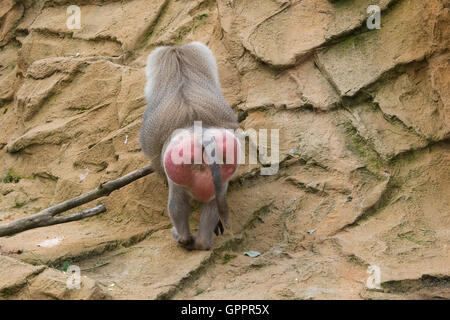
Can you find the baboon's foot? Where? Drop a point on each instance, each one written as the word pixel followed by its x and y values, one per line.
pixel 183 241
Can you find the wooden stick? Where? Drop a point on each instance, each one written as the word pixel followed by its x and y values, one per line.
pixel 33 222
pixel 46 216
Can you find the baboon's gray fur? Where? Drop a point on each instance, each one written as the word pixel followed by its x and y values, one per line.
pixel 183 87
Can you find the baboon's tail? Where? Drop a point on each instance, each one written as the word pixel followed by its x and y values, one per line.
pixel 219 191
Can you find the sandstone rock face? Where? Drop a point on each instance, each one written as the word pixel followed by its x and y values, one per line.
pixel 360 60
pixel 24 281
pixel 363 158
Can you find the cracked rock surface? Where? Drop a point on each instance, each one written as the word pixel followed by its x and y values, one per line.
pixel 364 159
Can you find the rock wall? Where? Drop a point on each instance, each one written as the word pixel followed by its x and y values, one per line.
pixel 364 120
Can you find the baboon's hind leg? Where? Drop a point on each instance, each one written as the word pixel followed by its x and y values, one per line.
pixel 179 211
pixel 209 223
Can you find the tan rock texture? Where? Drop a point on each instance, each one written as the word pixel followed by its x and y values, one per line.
pixel 364 157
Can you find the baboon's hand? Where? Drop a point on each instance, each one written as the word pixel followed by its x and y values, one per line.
pixel 219 228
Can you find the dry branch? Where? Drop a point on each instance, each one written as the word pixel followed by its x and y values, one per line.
pixel 47 217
